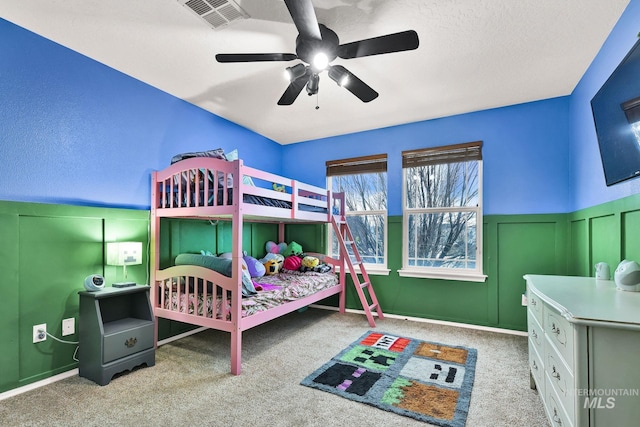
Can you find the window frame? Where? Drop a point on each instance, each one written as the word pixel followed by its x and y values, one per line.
pixel 358 166
pixel 456 155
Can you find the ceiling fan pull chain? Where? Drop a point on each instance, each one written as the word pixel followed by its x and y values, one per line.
pixel 317 96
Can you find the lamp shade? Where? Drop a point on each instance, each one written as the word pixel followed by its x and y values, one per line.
pixel 124 253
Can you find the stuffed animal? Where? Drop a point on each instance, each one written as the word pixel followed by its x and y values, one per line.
pixel 277 187
pixel 310 262
pixel 292 262
pixel 273 248
pixel 255 267
pixel 292 249
pixel 273 257
pixel 271 267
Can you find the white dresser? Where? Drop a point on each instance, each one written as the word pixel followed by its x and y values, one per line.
pixel 584 350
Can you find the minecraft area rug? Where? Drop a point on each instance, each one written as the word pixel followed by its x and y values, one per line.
pixel 424 380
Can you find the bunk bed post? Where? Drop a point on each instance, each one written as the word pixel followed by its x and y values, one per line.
pixel 281 232
pixel 154 246
pixel 236 296
pixel 343 274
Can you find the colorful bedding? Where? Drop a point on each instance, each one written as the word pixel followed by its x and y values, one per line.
pixel 278 289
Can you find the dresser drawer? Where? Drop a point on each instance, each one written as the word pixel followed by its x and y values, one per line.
pixel 125 337
pixel 557 414
pixel 537 368
pixel 560 379
pixel 536 334
pixel 560 334
pixel 535 307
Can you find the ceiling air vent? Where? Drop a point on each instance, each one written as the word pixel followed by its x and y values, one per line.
pixel 216 13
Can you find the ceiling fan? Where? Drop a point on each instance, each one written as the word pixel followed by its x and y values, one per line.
pixel 317 46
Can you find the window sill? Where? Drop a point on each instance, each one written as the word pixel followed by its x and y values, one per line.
pixel 447 275
pixel 378 271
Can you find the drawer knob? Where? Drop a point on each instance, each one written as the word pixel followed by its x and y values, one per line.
pixel 555 329
pixel 534 365
pixel 131 342
pixel 555 374
pixel 556 418
pixel 534 334
pixel 533 302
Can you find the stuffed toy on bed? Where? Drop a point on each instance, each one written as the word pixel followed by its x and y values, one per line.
pixel 271 267
pixel 293 248
pixel 273 248
pixel 255 267
pixel 292 263
pixel 272 263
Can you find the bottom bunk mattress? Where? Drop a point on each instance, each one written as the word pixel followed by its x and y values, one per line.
pixel 276 290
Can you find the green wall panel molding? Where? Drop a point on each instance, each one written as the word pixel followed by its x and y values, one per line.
pixel 68 242
pixel 47 252
pixel 604 233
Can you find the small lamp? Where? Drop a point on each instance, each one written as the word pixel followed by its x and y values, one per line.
pixel 124 253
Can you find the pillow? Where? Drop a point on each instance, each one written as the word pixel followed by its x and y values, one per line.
pixel 220 265
pixel 218 153
pixel 233 155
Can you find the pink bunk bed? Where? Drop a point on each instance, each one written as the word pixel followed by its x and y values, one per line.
pixel 216 189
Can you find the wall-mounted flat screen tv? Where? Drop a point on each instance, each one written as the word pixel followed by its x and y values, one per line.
pixel 616 112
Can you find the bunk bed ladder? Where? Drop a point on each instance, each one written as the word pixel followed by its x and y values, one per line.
pixel 345 241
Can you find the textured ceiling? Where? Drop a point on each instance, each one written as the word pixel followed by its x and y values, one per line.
pixel 473 55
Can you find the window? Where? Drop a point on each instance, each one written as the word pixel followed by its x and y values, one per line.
pixel 442 212
pixel 364 182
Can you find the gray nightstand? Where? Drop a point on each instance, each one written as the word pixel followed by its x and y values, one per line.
pixel 116 330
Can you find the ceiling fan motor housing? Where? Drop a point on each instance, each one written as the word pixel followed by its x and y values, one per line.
pixel 307 48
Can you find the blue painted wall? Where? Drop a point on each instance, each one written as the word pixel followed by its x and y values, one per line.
pixel 74 131
pixel 586 173
pixel 525 154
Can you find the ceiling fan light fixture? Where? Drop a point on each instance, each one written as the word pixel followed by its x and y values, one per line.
pixel 339 75
pixel 313 84
pixel 320 61
pixel 295 72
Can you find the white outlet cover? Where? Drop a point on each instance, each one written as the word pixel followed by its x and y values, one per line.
pixel 68 326
pixel 36 333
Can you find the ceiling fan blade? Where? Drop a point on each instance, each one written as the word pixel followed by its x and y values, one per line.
pixel 304 16
pixel 352 83
pixel 294 89
pixel 397 42
pixel 255 57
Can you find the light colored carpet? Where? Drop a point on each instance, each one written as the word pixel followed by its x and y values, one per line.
pixel 191 384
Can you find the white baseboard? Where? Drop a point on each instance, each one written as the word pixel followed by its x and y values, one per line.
pixel 38 384
pixel 437 322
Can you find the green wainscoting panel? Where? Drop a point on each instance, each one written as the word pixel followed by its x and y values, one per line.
pixel 47 252
pixel 9 310
pixel 631 235
pixel 525 247
pixel 579 261
pixel 604 233
pixel 56 254
pixel 605 241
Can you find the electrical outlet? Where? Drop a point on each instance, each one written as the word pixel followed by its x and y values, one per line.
pixel 68 326
pixel 39 333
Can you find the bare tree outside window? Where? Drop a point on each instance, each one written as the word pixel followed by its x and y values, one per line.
pixel 443 210
pixel 442 237
pixel 366 211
